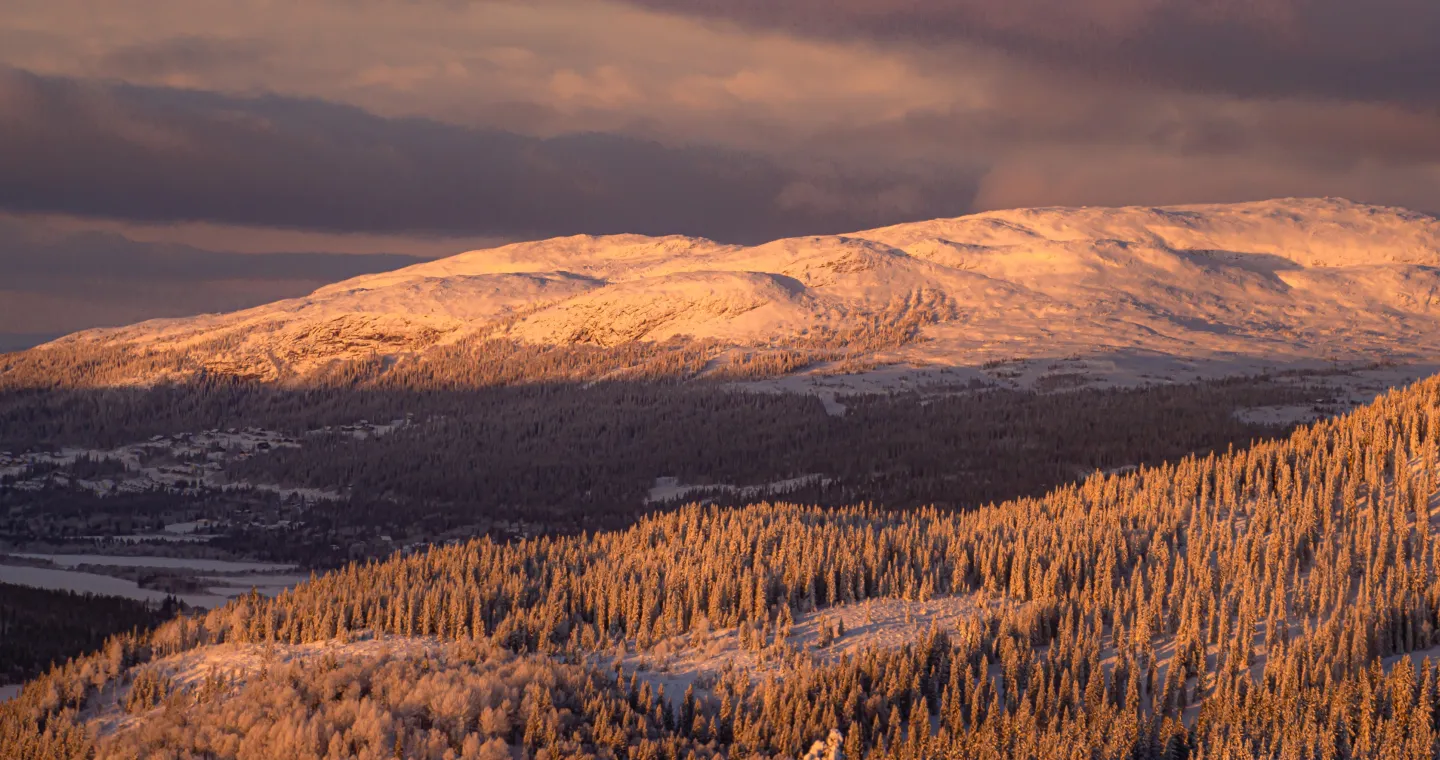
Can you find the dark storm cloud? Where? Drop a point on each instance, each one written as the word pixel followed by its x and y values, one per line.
pixel 160 155
pixel 1293 132
pixel 1352 49
pixel 49 262
pixel 53 281
pixel 183 55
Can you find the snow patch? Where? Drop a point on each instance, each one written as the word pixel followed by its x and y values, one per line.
pixel 670 489
pixel 177 563
pixel 697 658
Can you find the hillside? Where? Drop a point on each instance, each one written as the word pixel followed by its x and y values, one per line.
pixel 1276 601
pixel 1123 294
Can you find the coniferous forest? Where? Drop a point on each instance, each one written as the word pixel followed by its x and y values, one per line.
pixel 1272 600
pixel 720 380
pixel 41 627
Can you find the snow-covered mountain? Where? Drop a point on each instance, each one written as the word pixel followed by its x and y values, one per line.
pixel 1274 282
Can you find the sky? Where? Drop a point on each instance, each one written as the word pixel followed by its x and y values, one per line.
pixel 167 157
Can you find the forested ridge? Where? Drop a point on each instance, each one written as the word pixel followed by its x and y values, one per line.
pixel 1268 585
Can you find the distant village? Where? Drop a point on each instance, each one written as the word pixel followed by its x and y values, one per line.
pixel 184 463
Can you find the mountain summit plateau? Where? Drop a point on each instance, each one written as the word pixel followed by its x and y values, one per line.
pixel 1123 290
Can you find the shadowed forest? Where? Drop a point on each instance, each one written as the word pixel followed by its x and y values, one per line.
pixel 40 627
pixel 574 456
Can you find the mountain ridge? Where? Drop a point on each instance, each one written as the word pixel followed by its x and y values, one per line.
pixel 1288 280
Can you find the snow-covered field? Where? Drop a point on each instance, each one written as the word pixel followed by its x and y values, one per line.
pixel 220 588
pixel 178 563
pixel 1066 295
pixel 1340 386
pixel 267 578
pixel 1338 393
pixel 671 489
pixel 71 580
pixel 267 584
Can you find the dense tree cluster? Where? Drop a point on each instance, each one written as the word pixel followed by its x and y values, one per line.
pixel 41 627
pixel 1266 585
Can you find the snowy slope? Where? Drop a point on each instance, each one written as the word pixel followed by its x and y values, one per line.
pixel 1243 285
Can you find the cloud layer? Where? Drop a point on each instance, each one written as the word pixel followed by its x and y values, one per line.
pixel 836 112
pixel 156 154
pixel 1372 50
pixel 41 261
pixel 741 120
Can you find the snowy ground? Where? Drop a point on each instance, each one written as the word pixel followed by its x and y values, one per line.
pixel 179 463
pixel 180 563
pixel 1343 386
pixel 699 657
pixel 1338 393
pixel 220 588
pixel 223 579
pixel 236 663
pixel 71 580
pixel 670 489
